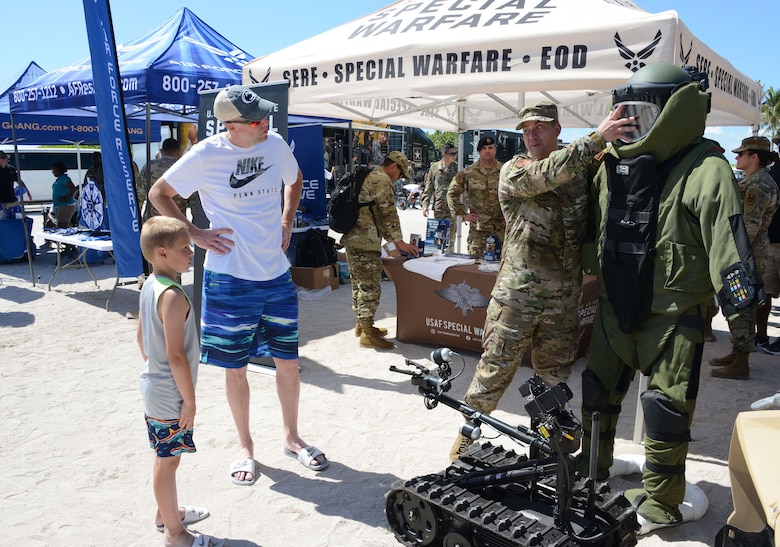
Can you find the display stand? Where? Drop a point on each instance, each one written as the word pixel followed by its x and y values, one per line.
pixel 452 312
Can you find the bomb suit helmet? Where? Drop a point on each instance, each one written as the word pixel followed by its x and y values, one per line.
pixel 648 90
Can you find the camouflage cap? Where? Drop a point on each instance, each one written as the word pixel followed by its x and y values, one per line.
pixel 543 112
pixel 399 158
pixel 754 143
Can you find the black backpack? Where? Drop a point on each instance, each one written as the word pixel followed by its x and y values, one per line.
pixel 344 207
pixel 315 250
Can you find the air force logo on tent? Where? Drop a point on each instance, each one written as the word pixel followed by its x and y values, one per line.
pixel 455 65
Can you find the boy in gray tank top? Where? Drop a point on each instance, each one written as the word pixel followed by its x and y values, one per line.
pixel 168 339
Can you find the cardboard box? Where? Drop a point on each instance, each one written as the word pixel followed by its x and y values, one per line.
pixel 315 278
pixel 389 249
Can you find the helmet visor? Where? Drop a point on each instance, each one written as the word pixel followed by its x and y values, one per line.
pixel 645 114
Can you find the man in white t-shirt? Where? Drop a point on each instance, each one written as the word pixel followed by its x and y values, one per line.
pixel 249 304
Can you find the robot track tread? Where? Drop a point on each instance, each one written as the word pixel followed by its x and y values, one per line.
pixel 432 510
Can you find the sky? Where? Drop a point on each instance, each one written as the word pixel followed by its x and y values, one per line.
pixel 53 34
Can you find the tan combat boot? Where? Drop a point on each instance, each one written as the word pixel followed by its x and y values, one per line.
pixel 370 337
pixel 461 444
pixel 358 330
pixel 726 360
pixel 737 370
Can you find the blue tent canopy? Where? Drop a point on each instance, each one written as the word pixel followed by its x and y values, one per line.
pixel 167 66
pixel 64 126
pixel 28 75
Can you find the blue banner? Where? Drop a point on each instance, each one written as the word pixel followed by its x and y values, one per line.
pixel 306 144
pixel 120 195
pixel 45 129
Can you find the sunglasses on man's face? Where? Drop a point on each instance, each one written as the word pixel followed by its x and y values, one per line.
pixel 245 122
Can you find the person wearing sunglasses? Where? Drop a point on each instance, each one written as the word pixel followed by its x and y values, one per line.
pixel 249 304
pixel 376 222
pixel 759 202
pixel 437 182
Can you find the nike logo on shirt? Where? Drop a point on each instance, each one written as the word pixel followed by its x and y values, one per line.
pixel 253 167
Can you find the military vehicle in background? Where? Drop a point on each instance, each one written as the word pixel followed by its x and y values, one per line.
pixel 341 150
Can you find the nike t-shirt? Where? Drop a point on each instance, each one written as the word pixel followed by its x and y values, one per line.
pixel 241 189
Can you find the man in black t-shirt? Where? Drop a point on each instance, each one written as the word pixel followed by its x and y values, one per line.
pixel 8 177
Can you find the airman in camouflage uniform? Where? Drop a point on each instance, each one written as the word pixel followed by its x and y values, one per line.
pixel 363 245
pixel 536 297
pixel 169 153
pixel 479 183
pixel 437 183
pixel 771 277
pixel 758 192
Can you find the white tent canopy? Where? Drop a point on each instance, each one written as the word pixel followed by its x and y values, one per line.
pixel 457 64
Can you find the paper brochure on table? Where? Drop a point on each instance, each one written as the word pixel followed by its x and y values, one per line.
pixel 435 266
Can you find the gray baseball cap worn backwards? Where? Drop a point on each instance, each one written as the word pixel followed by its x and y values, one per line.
pixel 540 112
pixel 240 102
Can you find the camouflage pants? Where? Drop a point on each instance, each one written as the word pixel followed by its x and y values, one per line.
pixel 509 332
pixel 443 213
pixel 743 330
pixel 365 271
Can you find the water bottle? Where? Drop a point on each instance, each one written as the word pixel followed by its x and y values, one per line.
pixel 490 249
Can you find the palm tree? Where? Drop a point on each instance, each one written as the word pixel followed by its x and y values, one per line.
pixel 770 111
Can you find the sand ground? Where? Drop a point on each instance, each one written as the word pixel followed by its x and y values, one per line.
pixel 75 469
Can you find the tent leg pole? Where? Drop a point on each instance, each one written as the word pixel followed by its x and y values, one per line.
pixel 639 418
pixel 27 239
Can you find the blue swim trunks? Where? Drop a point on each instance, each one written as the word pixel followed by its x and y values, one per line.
pixel 167 438
pixel 241 319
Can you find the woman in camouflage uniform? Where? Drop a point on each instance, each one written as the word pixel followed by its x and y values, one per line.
pixel 759 203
